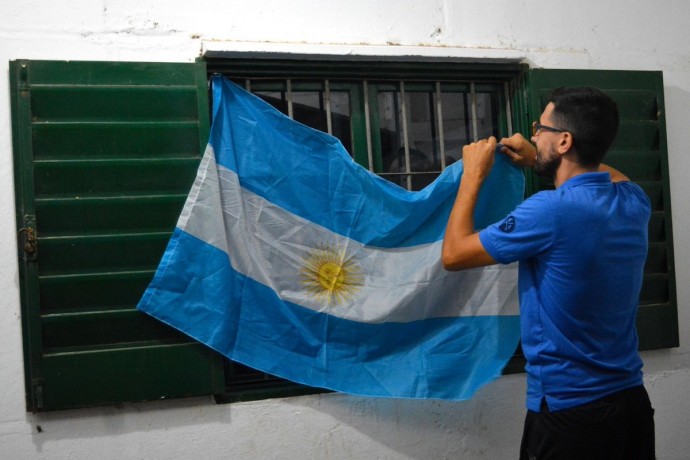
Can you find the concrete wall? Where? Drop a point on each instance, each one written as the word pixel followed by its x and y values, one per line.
pixel 618 34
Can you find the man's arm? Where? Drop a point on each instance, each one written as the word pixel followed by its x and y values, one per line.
pixel 462 248
pixel 616 175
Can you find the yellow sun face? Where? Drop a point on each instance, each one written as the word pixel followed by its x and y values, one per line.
pixel 329 275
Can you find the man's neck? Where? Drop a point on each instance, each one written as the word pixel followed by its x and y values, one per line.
pixel 569 169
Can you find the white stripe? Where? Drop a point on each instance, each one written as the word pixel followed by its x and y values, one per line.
pixel 272 246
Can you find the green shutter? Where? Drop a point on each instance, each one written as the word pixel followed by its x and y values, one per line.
pixel 640 152
pixel 105 154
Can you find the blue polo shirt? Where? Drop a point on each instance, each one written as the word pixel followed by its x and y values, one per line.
pixel 582 250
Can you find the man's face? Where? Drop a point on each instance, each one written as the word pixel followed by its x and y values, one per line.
pixel 548 158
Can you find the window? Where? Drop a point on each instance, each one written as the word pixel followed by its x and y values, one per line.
pixel 105 154
pixel 407 132
pixel 406 129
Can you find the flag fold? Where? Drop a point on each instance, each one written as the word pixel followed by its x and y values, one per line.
pixel 292 259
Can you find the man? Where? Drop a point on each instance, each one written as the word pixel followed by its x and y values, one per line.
pixel 581 249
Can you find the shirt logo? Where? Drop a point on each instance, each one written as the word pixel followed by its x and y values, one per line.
pixel 508 225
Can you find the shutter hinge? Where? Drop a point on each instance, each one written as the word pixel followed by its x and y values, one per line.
pixel 28 239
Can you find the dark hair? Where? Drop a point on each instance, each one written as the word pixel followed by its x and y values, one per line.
pixel 591 116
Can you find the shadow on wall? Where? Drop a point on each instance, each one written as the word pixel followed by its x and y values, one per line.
pixel 331 425
pixel 487 426
pixel 145 417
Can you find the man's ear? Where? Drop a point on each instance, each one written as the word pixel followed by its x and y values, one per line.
pixel 565 143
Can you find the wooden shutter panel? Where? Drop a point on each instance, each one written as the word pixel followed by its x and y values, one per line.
pixel 640 152
pixel 105 154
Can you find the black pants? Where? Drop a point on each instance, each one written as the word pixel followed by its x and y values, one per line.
pixel 619 426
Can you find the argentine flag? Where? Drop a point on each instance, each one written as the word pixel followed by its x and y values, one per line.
pixel 292 259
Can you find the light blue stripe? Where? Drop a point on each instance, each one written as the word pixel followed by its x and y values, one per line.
pixel 279 160
pixel 447 358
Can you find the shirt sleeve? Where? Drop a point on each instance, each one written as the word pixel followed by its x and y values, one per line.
pixel 526 232
pixel 636 191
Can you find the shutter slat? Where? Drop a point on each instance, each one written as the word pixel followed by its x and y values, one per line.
pixel 99 291
pixel 100 140
pixel 131 372
pixel 100 177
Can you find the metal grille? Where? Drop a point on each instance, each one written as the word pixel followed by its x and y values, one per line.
pixel 409 131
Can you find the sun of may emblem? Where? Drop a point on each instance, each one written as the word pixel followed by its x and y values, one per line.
pixel 329 275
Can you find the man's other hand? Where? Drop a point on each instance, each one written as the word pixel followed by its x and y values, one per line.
pixel 478 158
pixel 519 150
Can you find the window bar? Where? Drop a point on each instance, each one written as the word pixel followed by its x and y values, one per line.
pixel 403 110
pixel 439 120
pixel 289 98
pixel 473 98
pixel 327 96
pixel 509 115
pixel 367 122
pixel 248 85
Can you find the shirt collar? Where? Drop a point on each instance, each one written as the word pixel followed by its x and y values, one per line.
pixel 587 178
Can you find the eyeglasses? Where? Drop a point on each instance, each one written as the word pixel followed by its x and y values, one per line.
pixel 536 127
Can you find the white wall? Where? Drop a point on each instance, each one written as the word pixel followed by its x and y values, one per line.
pixel 618 34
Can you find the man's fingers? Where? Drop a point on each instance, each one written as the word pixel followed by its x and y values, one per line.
pixel 488 145
pixel 509 152
pixel 485 144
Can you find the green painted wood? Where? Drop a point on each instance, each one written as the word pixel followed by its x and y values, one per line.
pixel 115 140
pixel 107 153
pixel 98 291
pixel 82 103
pixel 108 214
pixel 84 177
pixel 133 372
pixel 640 152
pixel 100 73
pixel 25 218
pixel 101 253
pixel 81 331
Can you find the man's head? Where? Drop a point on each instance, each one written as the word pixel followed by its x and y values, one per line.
pixel 590 116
